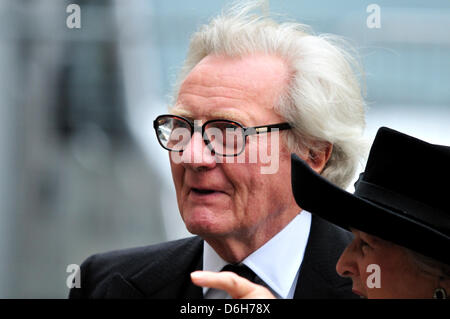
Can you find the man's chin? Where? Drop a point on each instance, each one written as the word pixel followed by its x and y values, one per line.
pixel 206 230
pixel 207 219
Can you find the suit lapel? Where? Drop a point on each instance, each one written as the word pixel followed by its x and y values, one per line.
pixel 167 276
pixel 175 282
pixel 318 277
pixel 119 288
pixel 188 290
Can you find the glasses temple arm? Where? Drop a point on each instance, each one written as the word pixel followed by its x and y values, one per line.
pixel 266 128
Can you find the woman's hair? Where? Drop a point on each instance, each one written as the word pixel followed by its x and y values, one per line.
pixel 429 265
pixel 323 100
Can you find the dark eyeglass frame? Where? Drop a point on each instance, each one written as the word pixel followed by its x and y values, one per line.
pixel 247 131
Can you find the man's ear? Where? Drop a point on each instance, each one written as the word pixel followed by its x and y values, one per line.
pixel 317 159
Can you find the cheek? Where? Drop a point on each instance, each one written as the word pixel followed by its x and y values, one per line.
pixel 177 176
pixel 278 185
pixel 398 278
pixel 264 192
pixel 389 274
pixel 249 195
pixel 240 176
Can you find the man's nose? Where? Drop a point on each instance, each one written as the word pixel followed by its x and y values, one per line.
pixel 347 265
pixel 197 155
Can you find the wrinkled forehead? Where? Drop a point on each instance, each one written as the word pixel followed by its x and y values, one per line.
pixel 241 89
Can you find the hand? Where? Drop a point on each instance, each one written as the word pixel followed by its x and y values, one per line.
pixel 236 286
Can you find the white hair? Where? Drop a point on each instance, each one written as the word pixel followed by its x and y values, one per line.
pixel 323 100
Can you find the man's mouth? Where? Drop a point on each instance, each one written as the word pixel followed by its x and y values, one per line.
pixel 204 191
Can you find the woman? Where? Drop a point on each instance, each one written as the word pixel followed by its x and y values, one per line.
pixel 399 215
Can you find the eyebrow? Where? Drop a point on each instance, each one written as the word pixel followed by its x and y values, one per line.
pixel 371 239
pixel 215 114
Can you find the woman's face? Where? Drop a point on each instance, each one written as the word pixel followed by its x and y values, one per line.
pixel 380 269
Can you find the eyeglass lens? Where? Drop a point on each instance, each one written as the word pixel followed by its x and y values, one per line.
pixel 222 137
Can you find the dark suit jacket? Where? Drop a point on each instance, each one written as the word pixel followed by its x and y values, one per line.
pixel 163 270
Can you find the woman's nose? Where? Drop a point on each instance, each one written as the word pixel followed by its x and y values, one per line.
pixel 347 263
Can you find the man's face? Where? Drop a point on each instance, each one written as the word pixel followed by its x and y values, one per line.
pixel 233 199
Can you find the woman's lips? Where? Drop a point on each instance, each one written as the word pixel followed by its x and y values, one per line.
pixel 356 292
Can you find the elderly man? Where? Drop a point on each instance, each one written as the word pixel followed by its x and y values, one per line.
pixel 248 84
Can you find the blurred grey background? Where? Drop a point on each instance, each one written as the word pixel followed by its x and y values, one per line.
pixel 81 171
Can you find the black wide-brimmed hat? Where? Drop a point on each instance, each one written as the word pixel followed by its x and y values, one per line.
pixel 403 196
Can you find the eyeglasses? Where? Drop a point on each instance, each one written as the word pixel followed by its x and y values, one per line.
pixel 222 137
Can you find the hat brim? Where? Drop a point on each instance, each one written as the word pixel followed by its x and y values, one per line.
pixel 317 195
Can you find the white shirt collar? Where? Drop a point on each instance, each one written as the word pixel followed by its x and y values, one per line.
pixel 287 248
